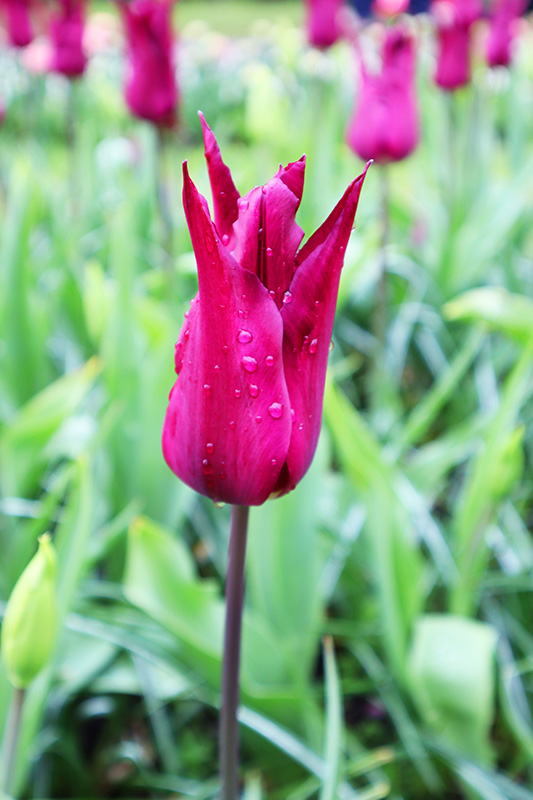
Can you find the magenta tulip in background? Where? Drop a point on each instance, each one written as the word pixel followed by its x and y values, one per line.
pixel 385 125
pixel 19 26
pixel 66 34
pixel 454 20
pixel 504 22
pixel 323 26
pixel 244 416
pixel 151 91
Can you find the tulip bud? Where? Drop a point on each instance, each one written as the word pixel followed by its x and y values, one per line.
pixel 66 33
pixel 454 19
pixel 504 27
pixel 29 626
pixel 323 27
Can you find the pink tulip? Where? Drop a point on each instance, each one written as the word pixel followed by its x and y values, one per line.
pixel 504 21
pixel 151 91
pixel 389 8
pixel 323 27
pixel 66 33
pixel 244 416
pixel 454 19
pixel 385 126
pixel 18 22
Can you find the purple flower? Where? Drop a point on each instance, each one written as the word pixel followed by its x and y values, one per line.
pixel 454 20
pixel 323 27
pixel 244 416
pixel 385 122
pixel 504 24
pixel 151 91
pixel 66 33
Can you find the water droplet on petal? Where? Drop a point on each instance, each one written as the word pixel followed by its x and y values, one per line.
pixel 210 447
pixel 222 476
pixel 263 189
pixel 274 462
pixel 242 314
pixel 317 303
pixel 186 334
pixel 249 363
pixel 313 346
pixel 186 314
pixel 237 393
pixel 225 237
pixel 244 337
pixel 207 469
pixel 331 345
pixel 269 252
pixel 225 349
pixel 272 293
pixel 259 418
pixel 253 390
pixel 209 243
pixel 217 368
pixel 287 297
pixel 269 361
pixel 275 410
pixel 218 503
pixel 232 424
pixel 207 389
pixel 243 204
pixel 293 414
pixel 301 426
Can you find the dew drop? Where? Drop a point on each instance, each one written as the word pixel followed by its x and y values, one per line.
pixel 269 361
pixel 237 393
pixel 275 410
pixel 243 204
pixel 243 297
pixel 317 303
pixel 331 345
pixel 222 476
pixel 232 424
pixel 209 243
pixel 244 337
pixel 263 189
pixel 186 334
pixel 287 297
pixel 207 389
pixel 274 462
pixel 225 237
pixel 225 349
pixel 259 418
pixel 207 469
pixel 249 363
pixel 210 447
pixel 272 293
pixel 242 314
pixel 313 346
pixel 269 252
pixel 253 390
pixel 218 503
pixel 293 414
pixel 187 314
pixel 301 426
pixel 217 368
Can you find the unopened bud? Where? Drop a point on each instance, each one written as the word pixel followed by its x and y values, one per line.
pixel 29 626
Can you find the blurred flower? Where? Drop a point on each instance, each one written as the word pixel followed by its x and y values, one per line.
pixel 389 8
pixel 385 122
pixel 36 56
pixel 103 31
pixel 323 28
pixel 504 25
pixel 66 33
pixel 18 22
pixel 244 416
pixel 454 19
pixel 29 626
pixel 151 92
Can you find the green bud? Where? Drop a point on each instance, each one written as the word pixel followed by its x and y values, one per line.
pixel 29 627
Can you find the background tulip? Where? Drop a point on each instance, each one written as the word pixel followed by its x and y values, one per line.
pixel 385 126
pixel 454 19
pixel 66 33
pixel 504 21
pixel 323 27
pixel 244 415
pixel 18 22
pixel 151 92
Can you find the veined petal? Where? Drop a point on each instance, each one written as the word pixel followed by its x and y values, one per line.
pixel 225 195
pixel 227 427
pixel 267 236
pixel 307 326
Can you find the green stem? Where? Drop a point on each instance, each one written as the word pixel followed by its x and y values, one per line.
pixel 162 192
pixel 380 319
pixel 11 739
pixel 229 731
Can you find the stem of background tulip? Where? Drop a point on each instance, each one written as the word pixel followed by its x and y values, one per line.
pixel 70 137
pixel 162 192
pixel 380 318
pixel 10 742
pixel 229 730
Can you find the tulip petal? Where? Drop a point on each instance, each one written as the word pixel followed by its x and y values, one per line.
pixel 307 325
pixel 227 427
pixel 225 195
pixel 267 236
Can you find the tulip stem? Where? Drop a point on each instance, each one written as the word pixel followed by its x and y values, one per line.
pixel 162 192
pixel 11 739
pixel 229 732
pixel 380 320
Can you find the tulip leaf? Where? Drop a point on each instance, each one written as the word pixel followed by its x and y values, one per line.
pixel 510 313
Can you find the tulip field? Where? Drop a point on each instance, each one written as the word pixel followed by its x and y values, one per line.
pixel 163 369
